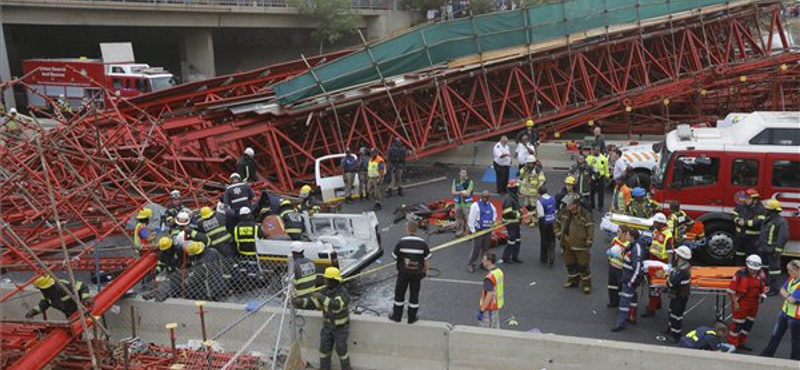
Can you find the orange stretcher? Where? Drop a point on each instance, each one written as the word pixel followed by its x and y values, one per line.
pixel 706 281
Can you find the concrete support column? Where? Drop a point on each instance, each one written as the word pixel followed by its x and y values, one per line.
pixel 5 68
pixel 197 55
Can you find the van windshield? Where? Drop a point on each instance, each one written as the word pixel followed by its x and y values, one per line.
pixel 160 83
pixel 661 169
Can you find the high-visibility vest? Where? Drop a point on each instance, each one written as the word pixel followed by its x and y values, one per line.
pixel 619 198
pixel 244 235
pixel 616 261
pixel 214 228
pixel 461 186
pixel 137 240
pixel 696 338
pixel 305 277
pixel 374 167
pixel 658 248
pixel 792 309
pixel 496 277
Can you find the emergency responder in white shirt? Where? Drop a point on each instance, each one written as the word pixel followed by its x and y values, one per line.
pixel 502 164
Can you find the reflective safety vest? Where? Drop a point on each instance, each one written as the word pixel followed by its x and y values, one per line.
pixel 658 248
pixel 619 198
pixel 245 235
pixel 549 207
pixel 693 335
pixel 792 309
pixel 600 165
pixel 677 223
pixel 530 181
pixel 486 219
pixel 643 209
pixel 137 240
pixel 305 277
pixel 496 277
pixel 616 261
pixel 461 186
pixel 374 167
pixel 214 228
pixel 293 223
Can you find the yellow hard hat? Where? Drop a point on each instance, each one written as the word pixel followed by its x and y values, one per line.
pixel 164 243
pixel 772 205
pixel 286 202
pixel 194 248
pixel 44 282
pixel 144 213
pixel 333 273
pixel 570 180
pixel 206 212
pixel 305 189
pixel 529 123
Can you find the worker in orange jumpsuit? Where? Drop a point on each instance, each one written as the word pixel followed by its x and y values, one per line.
pixel 662 242
pixel 746 291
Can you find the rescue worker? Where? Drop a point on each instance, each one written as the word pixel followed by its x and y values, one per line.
pixel 660 245
pixel 533 136
pixel 641 205
pixel 63 104
pixel 14 123
pixel 482 216
pixel 376 170
pixel 246 232
pixel 397 165
pixel 349 173
pixel 789 317
pixel 678 222
pixel 704 338
pixel 746 291
pixel 620 197
pixel 212 224
pixel 184 233
pixel 238 194
pixel 333 300
pixel 363 164
pixel 525 150
pixel 305 272
pixel 246 166
pixel 748 218
pixel 462 200
pixel 412 255
pixel 307 201
pixel 492 296
pixel 569 188
pixel 502 164
pixel 773 236
pixel 574 227
pixel 679 282
pixel 170 258
pixel 142 234
pixel 173 208
pixel 55 297
pixel 293 223
pixel 599 163
pixel 512 217
pixel 632 272
pixel 205 280
pixel 599 140
pixel 546 213
pixel 583 174
pixel 614 254
pixel 531 178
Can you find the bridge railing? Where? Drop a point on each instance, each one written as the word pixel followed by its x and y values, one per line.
pixel 358 4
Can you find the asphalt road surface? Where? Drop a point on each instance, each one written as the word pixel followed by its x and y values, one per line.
pixel 534 292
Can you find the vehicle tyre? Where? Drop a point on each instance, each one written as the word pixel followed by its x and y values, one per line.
pixel 720 248
pixel 639 178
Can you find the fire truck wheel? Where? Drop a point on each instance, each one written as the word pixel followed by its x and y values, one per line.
pixel 719 249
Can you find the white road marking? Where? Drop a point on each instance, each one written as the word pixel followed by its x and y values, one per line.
pixel 456 281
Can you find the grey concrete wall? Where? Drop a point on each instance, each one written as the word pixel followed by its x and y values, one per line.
pixel 197 55
pixel 377 343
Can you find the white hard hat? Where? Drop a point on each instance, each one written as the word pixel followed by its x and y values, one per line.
pixel 235 175
pixel 753 262
pixel 182 219
pixel 220 207
pixel 249 151
pixel 659 217
pixel 12 111
pixel 531 159
pixel 244 211
pixel 684 252
pixel 297 247
pixel 175 194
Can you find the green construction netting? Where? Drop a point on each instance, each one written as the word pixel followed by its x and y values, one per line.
pixel 442 42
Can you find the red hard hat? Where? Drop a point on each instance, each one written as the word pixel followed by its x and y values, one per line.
pixel 752 193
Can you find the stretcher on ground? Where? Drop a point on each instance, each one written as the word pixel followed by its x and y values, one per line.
pixel 706 282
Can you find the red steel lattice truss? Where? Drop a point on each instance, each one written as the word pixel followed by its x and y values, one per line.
pixel 83 180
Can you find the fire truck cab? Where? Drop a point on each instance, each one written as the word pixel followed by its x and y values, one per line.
pixel 705 168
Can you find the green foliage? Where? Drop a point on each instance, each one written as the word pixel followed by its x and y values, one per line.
pixel 335 18
pixel 421 5
pixel 482 6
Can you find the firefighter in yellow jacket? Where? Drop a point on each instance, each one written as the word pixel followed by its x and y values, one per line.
pixel 574 227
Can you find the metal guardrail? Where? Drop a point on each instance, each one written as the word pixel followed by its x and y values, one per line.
pixel 357 4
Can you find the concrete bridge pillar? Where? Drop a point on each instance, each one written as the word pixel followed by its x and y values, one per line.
pixel 5 68
pixel 197 55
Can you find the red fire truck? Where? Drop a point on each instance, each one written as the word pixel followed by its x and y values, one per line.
pixel 77 79
pixel 705 168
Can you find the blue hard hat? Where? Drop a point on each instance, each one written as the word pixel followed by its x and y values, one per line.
pixel 638 192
